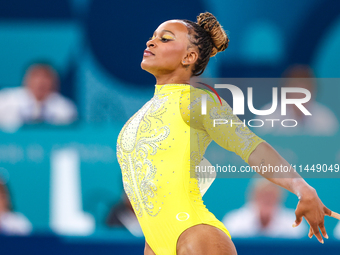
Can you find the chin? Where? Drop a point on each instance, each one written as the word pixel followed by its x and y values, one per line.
pixel 146 67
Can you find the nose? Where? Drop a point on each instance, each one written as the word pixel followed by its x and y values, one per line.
pixel 150 43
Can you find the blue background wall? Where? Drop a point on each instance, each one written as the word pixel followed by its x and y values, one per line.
pixel 97 48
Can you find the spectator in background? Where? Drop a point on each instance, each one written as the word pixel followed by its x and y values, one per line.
pixel 322 122
pixel 264 214
pixel 122 215
pixel 11 223
pixel 37 100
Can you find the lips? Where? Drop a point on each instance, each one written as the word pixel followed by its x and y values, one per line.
pixel 148 53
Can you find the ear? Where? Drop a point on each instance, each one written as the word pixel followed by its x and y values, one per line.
pixel 190 58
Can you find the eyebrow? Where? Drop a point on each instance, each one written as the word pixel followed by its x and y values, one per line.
pixel 166 31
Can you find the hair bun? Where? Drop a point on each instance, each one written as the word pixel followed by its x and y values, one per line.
pixel 219 37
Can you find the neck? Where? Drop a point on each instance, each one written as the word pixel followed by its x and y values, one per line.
pixel 265 220
pixel 2 211
pixel 173 78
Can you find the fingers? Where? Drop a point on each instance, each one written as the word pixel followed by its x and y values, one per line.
pixel 323 230
pixel 310 234
pixel 316 232
pixel 298 218
pixel 327 211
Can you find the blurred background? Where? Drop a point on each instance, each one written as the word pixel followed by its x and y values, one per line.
pixel 70 78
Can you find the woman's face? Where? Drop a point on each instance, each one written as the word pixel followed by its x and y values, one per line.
pixel 166 49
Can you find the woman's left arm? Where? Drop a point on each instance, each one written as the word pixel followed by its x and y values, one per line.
pixel 256 152
pixel 309 205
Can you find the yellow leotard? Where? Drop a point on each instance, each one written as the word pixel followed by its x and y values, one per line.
pixel 157 148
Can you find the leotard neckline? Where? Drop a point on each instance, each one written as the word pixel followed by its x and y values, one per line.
pixel 170 87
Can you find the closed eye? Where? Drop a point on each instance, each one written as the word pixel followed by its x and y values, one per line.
pixel 162 39
pixel 165 39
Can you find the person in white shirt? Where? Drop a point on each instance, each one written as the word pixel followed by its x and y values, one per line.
pixel 11 223
pixel 264 214
pixel 322 122
pixel 37 100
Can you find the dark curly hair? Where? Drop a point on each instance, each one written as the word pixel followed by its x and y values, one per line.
pixel 209 37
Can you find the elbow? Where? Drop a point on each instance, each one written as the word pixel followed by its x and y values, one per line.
pixel 257 155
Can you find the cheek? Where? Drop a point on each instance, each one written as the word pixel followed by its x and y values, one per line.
pixel 168 57
pixel 172 53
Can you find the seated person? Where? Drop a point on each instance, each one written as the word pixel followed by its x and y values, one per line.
pixel 37 100
pixel 122 215
pixel 323 121
pixel 11 223
pixel 264 214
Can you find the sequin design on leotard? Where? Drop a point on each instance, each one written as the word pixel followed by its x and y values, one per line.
pixel 156 150
pixel 137 170
pixel 223 134
pixel 226 112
